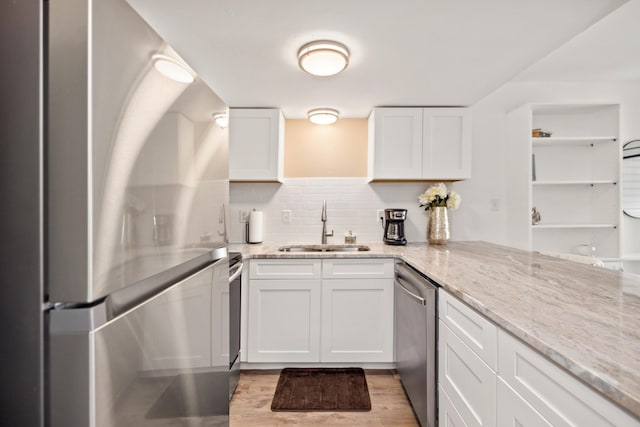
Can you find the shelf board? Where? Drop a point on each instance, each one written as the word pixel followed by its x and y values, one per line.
pixel 559 226
pixel 577 140
pixel 577 182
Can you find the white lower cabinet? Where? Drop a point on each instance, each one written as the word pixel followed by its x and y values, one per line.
pixel 357 320
pixel 284 323
pixel 526 389
pixel 468 382
pixel 448 416
pixel 317 311
pixel 555 394
pixel 513 410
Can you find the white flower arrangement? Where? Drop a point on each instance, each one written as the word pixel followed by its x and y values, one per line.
pixel 438 196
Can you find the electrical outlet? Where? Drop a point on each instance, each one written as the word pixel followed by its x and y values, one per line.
pixel 286 216
pixel 244 216
pixel 379 215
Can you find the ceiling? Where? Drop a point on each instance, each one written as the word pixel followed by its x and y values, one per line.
pixel 403 53
pixel 608 51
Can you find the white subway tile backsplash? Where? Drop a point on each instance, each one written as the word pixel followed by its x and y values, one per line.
pixel 351 205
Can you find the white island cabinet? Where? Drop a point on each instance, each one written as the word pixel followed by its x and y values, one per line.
pixel 420 144
pixel 320 311
pixel 489 378
pixel 256 144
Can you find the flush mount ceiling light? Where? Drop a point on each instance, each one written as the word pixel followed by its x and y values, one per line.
pixel 172 69
pixel 221 119
pixel 323 58
pixel 323 116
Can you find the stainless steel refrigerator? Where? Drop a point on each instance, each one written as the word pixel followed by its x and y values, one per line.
pixel 126 229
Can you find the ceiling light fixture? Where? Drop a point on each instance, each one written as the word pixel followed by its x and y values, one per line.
pixel 323 58
pixel 323 116
pixel 172 69
pixel 221 119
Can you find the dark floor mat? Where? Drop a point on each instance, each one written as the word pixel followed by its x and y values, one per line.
pixel 321 389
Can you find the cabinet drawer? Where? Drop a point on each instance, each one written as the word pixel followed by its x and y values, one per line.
pixel 447 414
pixel 560 398
pixel 357 268
pixel 284 269
pixel 514 411
pixel 467 380
pixel 477 332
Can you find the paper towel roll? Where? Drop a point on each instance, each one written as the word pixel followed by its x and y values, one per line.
pixel 255 226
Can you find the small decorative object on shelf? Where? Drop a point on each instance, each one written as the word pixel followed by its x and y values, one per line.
pixel 535 216
pixel 540 133
pixel 436 200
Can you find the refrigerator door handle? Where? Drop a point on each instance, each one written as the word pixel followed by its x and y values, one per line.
pixel 125 299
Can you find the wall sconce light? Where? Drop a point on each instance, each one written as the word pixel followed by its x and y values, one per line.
pixel 323 116
pixel 323 58
pixel 221 119
pixel 173 69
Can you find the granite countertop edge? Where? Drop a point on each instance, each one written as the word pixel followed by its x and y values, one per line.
pixel 606 383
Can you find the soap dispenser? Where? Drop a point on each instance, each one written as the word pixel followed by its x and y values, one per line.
pixel 350 238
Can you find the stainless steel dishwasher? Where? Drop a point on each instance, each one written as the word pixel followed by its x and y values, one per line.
pixel 415 308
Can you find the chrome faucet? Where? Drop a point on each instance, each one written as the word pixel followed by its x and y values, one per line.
pixel 323 218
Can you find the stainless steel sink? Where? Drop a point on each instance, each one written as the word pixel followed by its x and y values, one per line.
pixel 324 248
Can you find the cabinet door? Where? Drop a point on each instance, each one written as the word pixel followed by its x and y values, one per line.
pixel 514 411
pixel 357 320
pixel 256 141
pixel 446 143
pixel 397 143
pixel 467 380
pixel 284 321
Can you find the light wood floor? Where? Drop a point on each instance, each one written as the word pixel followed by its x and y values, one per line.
pixel 251 404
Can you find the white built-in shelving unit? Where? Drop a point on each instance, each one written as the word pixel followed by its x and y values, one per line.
pixel 571 178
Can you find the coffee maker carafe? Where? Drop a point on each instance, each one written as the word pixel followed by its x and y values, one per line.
pixel 394 226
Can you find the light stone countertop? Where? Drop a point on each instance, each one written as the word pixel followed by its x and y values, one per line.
pixel 586 319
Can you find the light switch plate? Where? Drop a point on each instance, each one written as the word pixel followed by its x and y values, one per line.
pixel 286 216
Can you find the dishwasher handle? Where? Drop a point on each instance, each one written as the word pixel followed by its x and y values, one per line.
pixel 411 294
pixel 414 284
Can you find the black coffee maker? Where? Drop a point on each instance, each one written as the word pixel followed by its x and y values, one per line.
pixel 394 226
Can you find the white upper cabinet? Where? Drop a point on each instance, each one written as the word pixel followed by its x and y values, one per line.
pixel 419 144
pixel 256 144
